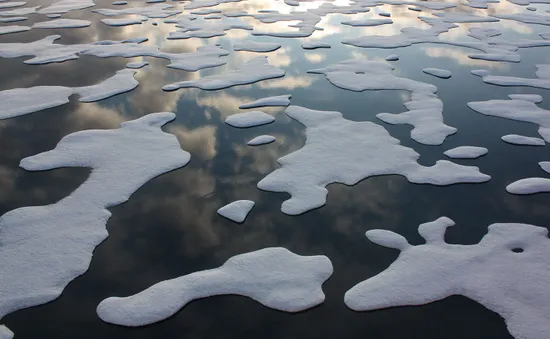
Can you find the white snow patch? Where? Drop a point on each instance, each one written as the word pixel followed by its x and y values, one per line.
pixel 529 186
pixel 522 140
pixel 151 11
pixel 63 23
pixel 237 210
pixel 117 22
pixel 543 81
pixel 466 152
pixel 315 45
pixel 392 57
pixel 280 100
pixel 527 97
pixel 254 46
pixel 436 72
pixel 261 140
pixel 344 151
pixel 64 6
pixel 249 119
pixel 367 22
pixel 13 29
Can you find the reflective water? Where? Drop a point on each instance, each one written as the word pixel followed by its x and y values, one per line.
pixel 170 228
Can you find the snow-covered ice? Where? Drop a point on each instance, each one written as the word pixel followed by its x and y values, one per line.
pixel 261 140
pixel 254 46
pixel 249 119
pixel 529 186
pixel 137 65
pixel 542 81
pixel 63 23
pixel 315 45
pixel 522 140
pixel 13 29
pixel 437 72
pixel 536 98
pixel 279 100
pixel 392 57
pixel 466 152
pixel 367 22
pixel 64 6
pixel 237 210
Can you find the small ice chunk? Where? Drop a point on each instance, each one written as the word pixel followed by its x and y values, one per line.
pixel 532 9
pixel 542 81
pixel 13 29
pixel 466 152
pixel 280 100
pixel 117 22
pixel 62 23
pixel 237 210
pixel 527 97
pixel 522 140
pixel 436 72
pixel 529 186
pixel 261 140
pixel 5 333
pixel 11 4
pixel 392 57
pixel 137 65
pixel 545 165
pixel 254 46
pixel 64 6
pixel 274 277
pixel 249 119
pixel 416 9
pixel 384 13
pixel 13 19
pixel 315 45
pixel 54 16
pixel 120 3
pixel 367 22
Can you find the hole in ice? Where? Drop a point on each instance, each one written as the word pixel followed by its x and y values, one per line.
pixel 517 250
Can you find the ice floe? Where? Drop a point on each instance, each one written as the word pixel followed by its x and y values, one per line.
pixel 13 19
pixel 20 101
pixel 522 140
pixel 151 11
pixel 119 3
pixel 392 57
pixel 117 22
pixel 464 18
pixel 237 210
pixel 11 4
pixel 529 186
pixel 252 71
pixel 527 97
pixel 315 45
pixel 49 246
pixel 424 110
pixel 203 29
pixel 137 65
pixel 19 11
pixel 344 151
pixel 436 72
pixel 274 277
pixel 63 23
pixel 528 18
pixel 254 46
pixel 64 6
pixel 466 152
pixel 367 22
pixel 543 81
pixel 508 272
pixel 279 100
pixel 249 119
pixel 261 140
pixel 13 29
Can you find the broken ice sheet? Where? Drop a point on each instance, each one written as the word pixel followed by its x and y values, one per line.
pixel 508 272
pixel 237 210
pixel 274 277
pixel 542 81
pixel 49 246
pixel 347 152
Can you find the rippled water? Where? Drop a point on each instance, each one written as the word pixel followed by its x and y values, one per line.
pixel 169 227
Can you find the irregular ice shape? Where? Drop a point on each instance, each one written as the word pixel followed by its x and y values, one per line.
pixel 274 277
pixel 528 18
pixel 252 71
pixel 11 4
pixel 367 22
pixel 249 119
pixel 392 57
pixel 466 152
pixel 64 6
pixel 20 101
pixel 13 29
pixel 344 151
pixel 119 3
pixel 206 11
pixel 237 210
pixel 315 45
pixel 545 165
pixel 206 3
pixel 280 100
pixel 63 23
pixel 306 22
pixel 522 140
pixel 425 108
pixel 464 18
pixel 203 29
pixel 20 11
pixel 527 97
pixel 117 22
pixel 520 110
pixel 254 46
pixel 261 140
pixel 5 333
pixel 49 246
pixel 137 65
pixel 151 11
pixel 529 186
pixel 384 13
pixel 13 19
pixel 436 72
pixel 508 272
pixel 543 81
pixel 481 4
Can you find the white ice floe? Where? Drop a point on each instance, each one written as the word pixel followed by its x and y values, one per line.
pixel 261 140
pixel 252 71
pixel 529 186
pixel 528 18
pixel 201 28
pixel 11 4
pixel 520 110
pixel 384 13
pixel 527 97
pixel 237 210
pixel 137 65
pixel 424 110
pixel 367 22
pixel 306 25
pixel 150 11
pixel 13 19
pixel 64 6
pixel 522 140
pixel 543 81
pixel 206 11
pixel 49 246
pixel 13 29
pixel 466 152
pixel 19 11
pixel 63 23
pixel 119 3
pixel 249 119
pixel 280 100
pixel 508 272
pixel 254 46
pixel 5 333
pixel 45 51
pixel 315 45
pixel 343 151
pixel 206 3
pixel 118 22
pixel 436 72
pixel 545 165
pixel 464 17
pixel 532 9
pixel 274 277
pixel 392 57
pixel 20 101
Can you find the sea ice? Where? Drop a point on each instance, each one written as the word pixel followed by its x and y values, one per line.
pixel 274 277
pixel 119 3
pixel 543 81
pixel 237 210
pixel 137 65
pixel 522 140
pixel 249 119
pixel 13 19
pixel 63 23
pixel 464 18
pixel 508 272
pixel 11 4
pixel 315 45
pixel 117 22
pixel 261 140
pixel 529 186
pixel 344 151
pixel 528 18
pixel 280 100
pixel 151 11
pixel 436 72
pixel 545 165
pixel 384 13
pixel 367 22
pixel 392 57
pixel 254 46
pixel 203 28
pixel 466 152
pixel 424 110
pixel 527 97
pixel 19 11
pixel 49 246
pixel 13 29
pixel 252 71
pixel 64 6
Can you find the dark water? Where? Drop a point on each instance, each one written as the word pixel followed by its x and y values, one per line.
pixel 169 227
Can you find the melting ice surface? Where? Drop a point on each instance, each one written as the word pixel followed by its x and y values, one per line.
pixel 237 210
pixel 274 276
pixel 466 152
pixel 531 185
pixel 508 272
pixel 249 119
pixel 346 152
pixel 49 246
